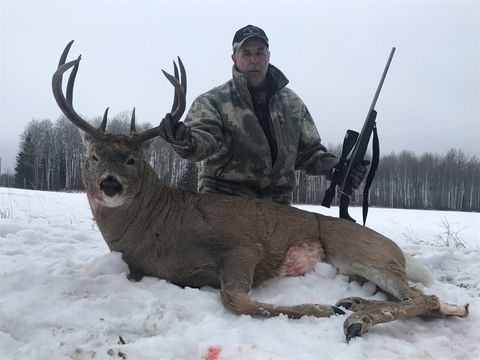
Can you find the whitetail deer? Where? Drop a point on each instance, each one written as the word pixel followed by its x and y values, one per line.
pixel 230 242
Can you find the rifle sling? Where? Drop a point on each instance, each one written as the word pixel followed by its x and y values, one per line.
pixel 371 174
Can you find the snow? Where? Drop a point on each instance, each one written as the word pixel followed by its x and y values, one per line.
pixel 64 295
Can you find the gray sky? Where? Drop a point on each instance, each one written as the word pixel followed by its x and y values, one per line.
pixel 333 52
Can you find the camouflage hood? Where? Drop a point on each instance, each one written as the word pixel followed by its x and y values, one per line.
pixel 233 149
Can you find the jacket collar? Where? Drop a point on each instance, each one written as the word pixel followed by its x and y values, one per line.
pixel 274 75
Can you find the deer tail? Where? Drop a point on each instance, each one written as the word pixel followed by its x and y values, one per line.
pixel 416 272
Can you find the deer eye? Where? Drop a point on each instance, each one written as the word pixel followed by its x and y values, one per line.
pixel 130 162
pixel 94 158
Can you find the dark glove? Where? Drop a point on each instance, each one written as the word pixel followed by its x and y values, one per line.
pixel 178 135
pixel 358 174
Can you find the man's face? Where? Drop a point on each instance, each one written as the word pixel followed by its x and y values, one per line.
pixel 252 60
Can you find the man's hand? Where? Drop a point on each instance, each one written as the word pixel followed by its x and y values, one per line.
pixel 358 174
pixel 177 135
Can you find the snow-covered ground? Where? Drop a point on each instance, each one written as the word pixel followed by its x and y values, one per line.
pixel 63 295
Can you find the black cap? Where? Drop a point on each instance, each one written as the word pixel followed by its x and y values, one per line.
pixel 246 33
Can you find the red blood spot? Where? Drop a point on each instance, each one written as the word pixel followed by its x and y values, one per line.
pixel 212 353
pixel 302 258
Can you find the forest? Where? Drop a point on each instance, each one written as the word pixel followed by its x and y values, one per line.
pixel 50 158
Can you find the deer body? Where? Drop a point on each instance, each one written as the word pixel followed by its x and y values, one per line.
pixel 230 242
pixel 189 253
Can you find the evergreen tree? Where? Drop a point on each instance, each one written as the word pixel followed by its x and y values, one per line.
pixel 189 178
pixel 24 169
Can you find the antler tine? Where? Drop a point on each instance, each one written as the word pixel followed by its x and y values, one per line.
pixel 175 97
pixel 180 109
pixel 66 103
pixel 184 75
pixel 183 81
pixel 71 83
pixel 133 129
pixel 179 101
pixel 103 125
pixel 180 90
pixel 64 55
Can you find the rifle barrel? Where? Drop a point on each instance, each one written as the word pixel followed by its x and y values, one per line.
pixel 379 88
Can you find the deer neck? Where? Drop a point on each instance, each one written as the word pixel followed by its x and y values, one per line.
pixel 124 225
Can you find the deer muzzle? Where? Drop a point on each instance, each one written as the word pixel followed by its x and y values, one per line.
pixel 110 186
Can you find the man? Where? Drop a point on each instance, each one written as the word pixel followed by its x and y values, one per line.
pixel 252 132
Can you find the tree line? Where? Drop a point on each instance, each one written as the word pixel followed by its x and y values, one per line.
pixel 409 181
pixel 51 155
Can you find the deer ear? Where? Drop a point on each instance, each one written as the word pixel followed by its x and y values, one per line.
pixel 145 146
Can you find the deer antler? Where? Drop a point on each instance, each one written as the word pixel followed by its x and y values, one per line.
pixel 66 103
pixel 179 101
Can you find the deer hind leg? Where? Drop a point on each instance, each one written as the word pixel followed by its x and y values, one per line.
pixel 369 313
pixel 393 280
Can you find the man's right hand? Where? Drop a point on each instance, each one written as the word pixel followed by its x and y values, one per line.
pixel 178 135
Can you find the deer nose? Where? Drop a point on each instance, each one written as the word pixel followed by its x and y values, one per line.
pixel 110 186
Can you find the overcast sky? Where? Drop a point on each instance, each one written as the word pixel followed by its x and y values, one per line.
pixel 333 53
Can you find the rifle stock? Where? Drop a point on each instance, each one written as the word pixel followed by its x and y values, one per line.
pixel 342 173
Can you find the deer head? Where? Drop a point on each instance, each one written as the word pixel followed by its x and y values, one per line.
pixel 113 163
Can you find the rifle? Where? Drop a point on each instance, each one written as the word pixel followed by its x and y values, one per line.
pixel 358 142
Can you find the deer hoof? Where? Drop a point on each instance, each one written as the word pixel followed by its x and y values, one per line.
pixel 338 311
pixel 356 326
pixel 352 304
pixel 345 304
pixel 134 277
pixel 352 331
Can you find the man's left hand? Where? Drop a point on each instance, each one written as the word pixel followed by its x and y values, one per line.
pixel 358 174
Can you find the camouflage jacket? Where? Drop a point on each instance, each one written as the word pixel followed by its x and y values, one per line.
pixel 234 152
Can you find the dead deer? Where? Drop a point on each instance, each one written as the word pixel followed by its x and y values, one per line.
pixel 232 242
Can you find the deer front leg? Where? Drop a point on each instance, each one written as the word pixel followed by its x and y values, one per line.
pixel 370 312
pixel 238 303
pixel 236 276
